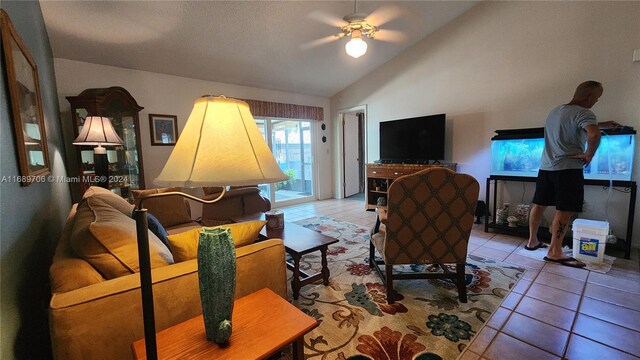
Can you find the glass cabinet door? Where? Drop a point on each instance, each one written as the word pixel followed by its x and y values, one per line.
pixel 125 161
pixel 124 172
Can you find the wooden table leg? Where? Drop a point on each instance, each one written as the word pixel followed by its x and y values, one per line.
pixel 325 267
pixel 298 348
pixel 295 282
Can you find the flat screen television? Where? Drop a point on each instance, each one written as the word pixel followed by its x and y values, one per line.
pixel 414 140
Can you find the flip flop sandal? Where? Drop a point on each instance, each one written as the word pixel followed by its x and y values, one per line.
pixel 540 245
pixel 571 262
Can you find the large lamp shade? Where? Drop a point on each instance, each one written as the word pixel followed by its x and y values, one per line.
pixel 220 145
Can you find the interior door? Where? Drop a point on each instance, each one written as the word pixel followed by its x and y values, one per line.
pixel 351 145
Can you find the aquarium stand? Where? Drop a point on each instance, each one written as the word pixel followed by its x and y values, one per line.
pixel 543 233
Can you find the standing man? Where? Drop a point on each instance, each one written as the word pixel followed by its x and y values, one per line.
pixel 560 179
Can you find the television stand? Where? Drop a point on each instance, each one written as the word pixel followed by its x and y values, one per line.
pixel 380 176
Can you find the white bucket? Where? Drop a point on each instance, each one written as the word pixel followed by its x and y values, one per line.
pixel 589 240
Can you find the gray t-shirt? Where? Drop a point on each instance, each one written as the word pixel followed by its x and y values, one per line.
pixel 564 135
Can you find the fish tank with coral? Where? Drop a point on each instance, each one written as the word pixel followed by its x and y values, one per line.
pixel 517 153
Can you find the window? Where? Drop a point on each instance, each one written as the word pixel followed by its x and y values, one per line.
pixel 292 146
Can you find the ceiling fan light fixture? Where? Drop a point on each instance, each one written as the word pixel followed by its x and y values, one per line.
pixel 356 47
pixel 358 26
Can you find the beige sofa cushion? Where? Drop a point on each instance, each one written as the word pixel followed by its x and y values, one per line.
pixel 184 246
pixel 110 198
pixel 169 210
pixel 68 271
pixel 106 238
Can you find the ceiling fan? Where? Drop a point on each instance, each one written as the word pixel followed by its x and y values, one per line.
pixel 357 26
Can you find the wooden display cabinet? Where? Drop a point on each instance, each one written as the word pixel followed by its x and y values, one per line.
pixel 125 161
pixel 380 177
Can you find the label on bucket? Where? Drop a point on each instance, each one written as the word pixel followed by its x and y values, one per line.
pixel 589 247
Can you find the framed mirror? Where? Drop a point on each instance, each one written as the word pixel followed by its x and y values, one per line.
pixel 26 105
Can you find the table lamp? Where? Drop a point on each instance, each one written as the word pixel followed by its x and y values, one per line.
pixel 98 131
pixel 220 145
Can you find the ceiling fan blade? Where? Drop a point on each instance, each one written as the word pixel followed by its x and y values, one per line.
pixel 390 35
pixel 383 15
pixel 327 18
pixel 318 42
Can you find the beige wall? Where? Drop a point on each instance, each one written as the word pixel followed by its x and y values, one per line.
pixel 165 94
pixel 504 65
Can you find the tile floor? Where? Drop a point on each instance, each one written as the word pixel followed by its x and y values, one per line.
pixel 554 311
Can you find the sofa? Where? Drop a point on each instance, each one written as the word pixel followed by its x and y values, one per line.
pixel 238 201
pixel 173 212
pixel 95 311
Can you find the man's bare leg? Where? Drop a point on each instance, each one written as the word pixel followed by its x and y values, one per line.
pixel 535 218
pixel 559 227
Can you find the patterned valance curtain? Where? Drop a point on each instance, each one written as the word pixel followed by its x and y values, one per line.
pixel 288 111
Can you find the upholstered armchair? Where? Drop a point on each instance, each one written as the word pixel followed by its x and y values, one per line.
pixel 428 220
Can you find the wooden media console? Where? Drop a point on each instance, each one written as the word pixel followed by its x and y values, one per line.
pixel 380 176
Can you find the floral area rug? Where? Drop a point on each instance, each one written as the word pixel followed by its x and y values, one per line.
pixel 426 322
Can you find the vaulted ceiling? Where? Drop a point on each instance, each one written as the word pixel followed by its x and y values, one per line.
pixel 280 45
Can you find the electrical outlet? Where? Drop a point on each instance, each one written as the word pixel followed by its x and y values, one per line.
pixel 636 55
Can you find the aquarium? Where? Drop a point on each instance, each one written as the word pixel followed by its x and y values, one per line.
pixel 518 154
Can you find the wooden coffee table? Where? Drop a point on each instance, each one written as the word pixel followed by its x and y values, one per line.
pixel 263 323
pixel 298 241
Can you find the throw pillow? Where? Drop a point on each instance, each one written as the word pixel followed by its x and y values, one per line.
pixel 106 238
pixel 109 198
pixel 158 230
pixel 184 246
pixel 245 233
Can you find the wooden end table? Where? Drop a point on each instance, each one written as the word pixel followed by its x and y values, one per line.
pixel 298 241
pixel 263 323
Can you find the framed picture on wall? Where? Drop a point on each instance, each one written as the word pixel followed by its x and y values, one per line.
pixel 164 129
pixel 26 105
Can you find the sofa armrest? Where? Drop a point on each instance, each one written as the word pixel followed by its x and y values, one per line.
pixel 100 321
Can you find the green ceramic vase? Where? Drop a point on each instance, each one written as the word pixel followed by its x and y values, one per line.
pixel 217 279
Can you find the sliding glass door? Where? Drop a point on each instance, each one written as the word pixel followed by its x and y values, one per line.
pixel 292 146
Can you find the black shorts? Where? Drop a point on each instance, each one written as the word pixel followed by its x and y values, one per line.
pixel 563 189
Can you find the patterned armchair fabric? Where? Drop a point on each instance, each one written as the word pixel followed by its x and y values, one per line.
pixel 428 221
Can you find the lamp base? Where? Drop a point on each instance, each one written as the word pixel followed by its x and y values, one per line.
pixel 216 277
pixel 101 166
